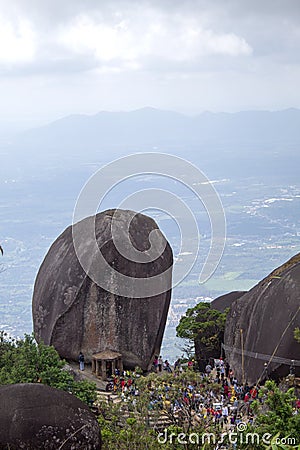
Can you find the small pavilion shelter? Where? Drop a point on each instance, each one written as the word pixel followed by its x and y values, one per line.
pixel 104 363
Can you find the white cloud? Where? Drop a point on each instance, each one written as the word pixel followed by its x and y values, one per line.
pixel 104 42
pixel 58 57
pixel 149 35
pixel 17 41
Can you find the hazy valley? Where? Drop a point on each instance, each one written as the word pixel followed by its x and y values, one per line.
pixel 43 171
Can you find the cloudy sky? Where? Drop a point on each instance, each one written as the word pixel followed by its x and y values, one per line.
pixel 62 57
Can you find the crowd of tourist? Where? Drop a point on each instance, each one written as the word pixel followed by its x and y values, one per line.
pixel 215 397
pixel 225 402
pixel 123 382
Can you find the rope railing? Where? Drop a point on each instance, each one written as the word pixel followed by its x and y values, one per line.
pixel 263 357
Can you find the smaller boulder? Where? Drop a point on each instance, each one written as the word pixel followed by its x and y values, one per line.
pixel 36 416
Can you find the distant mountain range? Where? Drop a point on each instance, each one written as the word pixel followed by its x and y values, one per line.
pixel 239 145
pixel 153 127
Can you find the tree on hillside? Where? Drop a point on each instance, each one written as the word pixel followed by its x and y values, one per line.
pixel 25 361
pixel 203 326
pixel 276 418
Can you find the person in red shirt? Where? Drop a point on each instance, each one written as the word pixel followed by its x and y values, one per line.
pixel 253 393
pixel 247 397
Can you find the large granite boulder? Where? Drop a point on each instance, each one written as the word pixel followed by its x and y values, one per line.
pixel 260 325
pixel 225 301
pixel 73 313
pixel 35 416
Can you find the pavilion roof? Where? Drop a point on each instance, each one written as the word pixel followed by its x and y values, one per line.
pixel 107 354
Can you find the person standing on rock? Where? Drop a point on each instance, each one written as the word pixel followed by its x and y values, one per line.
pixel 160 363
pixel 81 361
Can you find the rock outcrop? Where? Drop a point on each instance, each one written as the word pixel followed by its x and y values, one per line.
pixel 226 300
pixel 73 313
pixel 260 325
pixel 35 416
